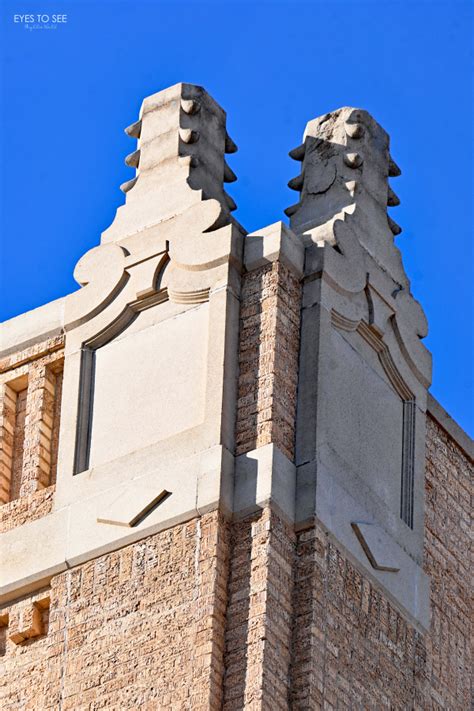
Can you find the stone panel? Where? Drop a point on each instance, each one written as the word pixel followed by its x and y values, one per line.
pixel 365 433
pixel 164 369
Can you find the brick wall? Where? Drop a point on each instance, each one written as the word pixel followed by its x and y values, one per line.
pixel 448 538
pixel 352 648
pixel 142 627
pixel 27 508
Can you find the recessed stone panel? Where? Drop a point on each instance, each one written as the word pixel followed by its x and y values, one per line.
pixel 149 386
pixel 364 419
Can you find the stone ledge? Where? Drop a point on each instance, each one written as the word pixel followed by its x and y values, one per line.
pixel 74 533
pixel 261 476
pixel 450 426
pixel 28 329
pixel 274 243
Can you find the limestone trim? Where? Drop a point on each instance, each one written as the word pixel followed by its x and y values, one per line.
pixel 371 335
pixel 369 536
pixel 374 339
pixel 220 300
pixel 87 370
pixel 403 580
pixel 403 348
pixel 127 511
pixel 215 425
pixel 199 484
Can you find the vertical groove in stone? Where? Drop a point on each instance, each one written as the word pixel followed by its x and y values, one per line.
pixel 408 462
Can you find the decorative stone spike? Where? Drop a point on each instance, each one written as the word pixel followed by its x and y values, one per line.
pixel 353 160
pixel 291 210
pixel 296 183
pixel 187 135
pixel 396 229
pixel 134 130
pixel 189 161
pixel 229 175
pixel 393 169
pixel 232 205
pixel 392 199
pixel 354 130
pixel 351 185
pixel 230 146
pixel 125 187
pixel 190 106
pixel 133 159
pixel 298 152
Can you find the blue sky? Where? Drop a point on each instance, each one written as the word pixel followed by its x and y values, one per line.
pixel 68 93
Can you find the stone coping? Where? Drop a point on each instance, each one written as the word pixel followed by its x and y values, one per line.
pixel 450 426
pixel 27 329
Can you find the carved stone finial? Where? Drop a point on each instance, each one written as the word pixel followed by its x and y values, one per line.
pixel 179 161
pixel 345 163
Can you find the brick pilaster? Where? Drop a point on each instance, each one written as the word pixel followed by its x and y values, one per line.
pixel 258 638
pixel 37 461
pixel 212 566
pixel 268 358
pixel 7 432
